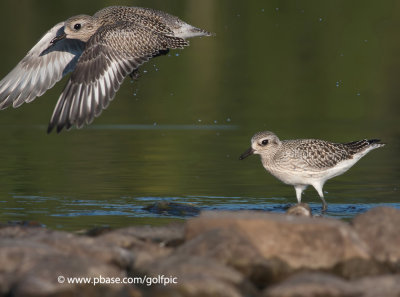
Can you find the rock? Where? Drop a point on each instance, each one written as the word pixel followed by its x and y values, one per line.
pixel 32 259
pixel 216 254
pixel 233 249
pixel 145 243
pixel 173 209
pixel 313 285
pixel 296 243
pixel 385 285
pixel 196 276
pixel 42 279
pixel 170 235
pixel 379 228
pixel 322 284
pixel 300 209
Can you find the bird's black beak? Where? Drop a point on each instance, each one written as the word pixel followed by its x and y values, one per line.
pixel 247 153
pixel 58 38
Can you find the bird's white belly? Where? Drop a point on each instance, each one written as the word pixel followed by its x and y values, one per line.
pixel 309 177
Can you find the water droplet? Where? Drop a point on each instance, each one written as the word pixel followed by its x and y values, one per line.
pixel 215 122
pixel 228 119
pixel 177 55
pixel 199 120
pixel 154 124
pixel 320 19
pixel 339 83
pixel 277 9
pixel 358 93
pixel 262 10
pixel 144 71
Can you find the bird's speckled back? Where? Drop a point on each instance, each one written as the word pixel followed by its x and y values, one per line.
pixel 313 153
pixel 156 20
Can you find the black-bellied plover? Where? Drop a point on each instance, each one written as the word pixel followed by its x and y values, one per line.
pixel 100 51
pixel 304 162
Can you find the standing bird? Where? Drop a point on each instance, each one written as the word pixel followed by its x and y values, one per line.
pixel 304 162
pixel 100 51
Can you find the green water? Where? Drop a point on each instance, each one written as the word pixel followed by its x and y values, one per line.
pixel 303 69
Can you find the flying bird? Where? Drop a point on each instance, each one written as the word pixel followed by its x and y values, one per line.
pixel 100 51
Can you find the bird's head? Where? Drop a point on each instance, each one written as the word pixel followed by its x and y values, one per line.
pixel 80 27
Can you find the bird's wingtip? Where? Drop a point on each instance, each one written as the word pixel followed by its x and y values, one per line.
pixel 376 142
pixel 49 128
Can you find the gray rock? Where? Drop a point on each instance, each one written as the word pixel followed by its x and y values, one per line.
pixel 313 285
pixel 233 249
pixel 385 286
pixel 321 284
pixel 296 243
pixel 300 209
pixel 173 209
pixel 69 244
pixel 379 228
pixel 169 235
pixel 196 276
pixel 33 258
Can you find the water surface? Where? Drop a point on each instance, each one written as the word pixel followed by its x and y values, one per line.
pixel 304 69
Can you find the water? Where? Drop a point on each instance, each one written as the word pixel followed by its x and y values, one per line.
pixel 303 70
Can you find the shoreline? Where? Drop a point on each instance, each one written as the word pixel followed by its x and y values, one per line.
pixel 218 253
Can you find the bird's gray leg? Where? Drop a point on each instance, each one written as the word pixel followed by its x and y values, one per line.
pixel 318 187
pixel 299 190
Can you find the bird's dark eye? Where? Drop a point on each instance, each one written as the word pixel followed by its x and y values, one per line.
pixel 264 142
pixel 77 26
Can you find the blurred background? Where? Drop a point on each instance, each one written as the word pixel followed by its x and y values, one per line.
pixel 302 69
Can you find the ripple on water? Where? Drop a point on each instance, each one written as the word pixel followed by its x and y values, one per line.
pixel 40 208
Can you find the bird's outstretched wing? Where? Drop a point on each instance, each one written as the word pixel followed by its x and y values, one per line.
pixel 112 53
pixel 42 67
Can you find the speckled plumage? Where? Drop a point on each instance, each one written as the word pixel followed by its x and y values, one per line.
pixel 303 162
pixel 100 51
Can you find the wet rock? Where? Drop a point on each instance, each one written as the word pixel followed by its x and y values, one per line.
pixel 379 228
pixel 196 276
pixel 295 242
pixel 173 209
pixel 313 285
pixel 300 209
